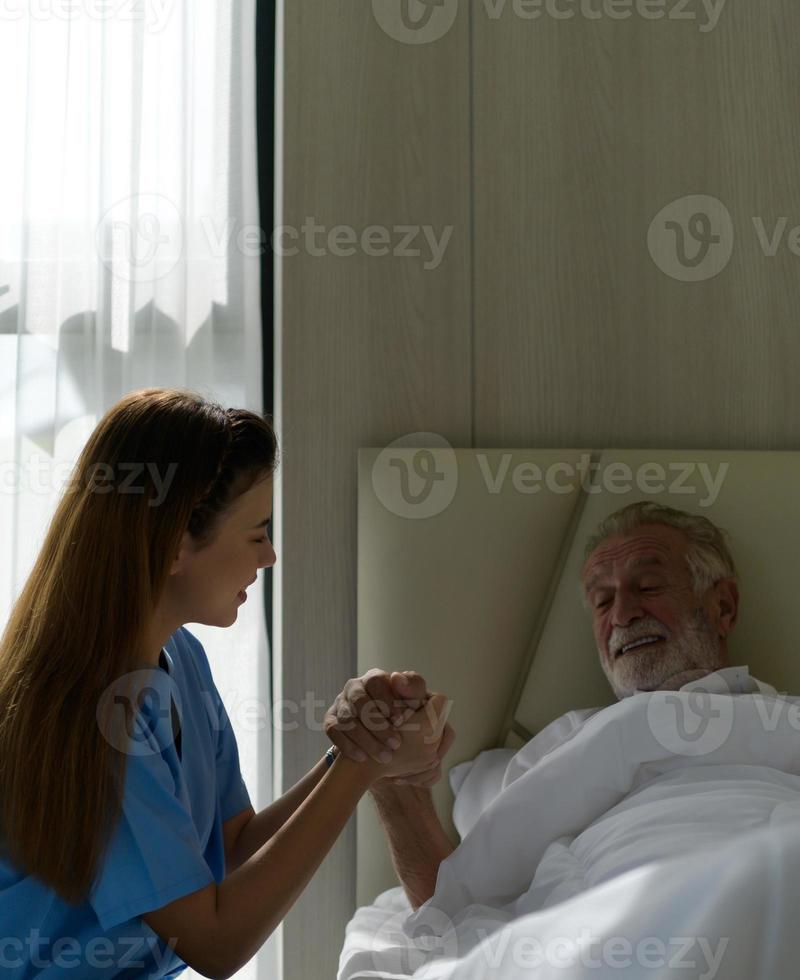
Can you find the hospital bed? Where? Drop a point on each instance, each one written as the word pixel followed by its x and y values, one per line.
pixel 468 566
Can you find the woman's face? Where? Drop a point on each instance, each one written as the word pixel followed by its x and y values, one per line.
pixel 205 584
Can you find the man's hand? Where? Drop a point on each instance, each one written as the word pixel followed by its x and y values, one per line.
pixel 363 719
pixel 429 777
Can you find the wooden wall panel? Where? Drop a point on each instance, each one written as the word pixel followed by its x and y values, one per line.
pixel 549 146
pixel 375 132
pixel 584 130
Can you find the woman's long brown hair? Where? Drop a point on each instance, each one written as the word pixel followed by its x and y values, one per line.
pixel 77 625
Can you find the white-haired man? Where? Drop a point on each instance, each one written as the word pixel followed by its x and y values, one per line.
pixel 661 588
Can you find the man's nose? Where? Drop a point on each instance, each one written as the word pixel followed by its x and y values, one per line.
pixel 270 560
pixel 626 609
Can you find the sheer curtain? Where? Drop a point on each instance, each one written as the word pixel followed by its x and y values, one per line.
pixel 129 257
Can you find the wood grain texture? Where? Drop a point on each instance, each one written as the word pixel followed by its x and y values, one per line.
pixel 584 130
pixel 369 349
pixel 579 132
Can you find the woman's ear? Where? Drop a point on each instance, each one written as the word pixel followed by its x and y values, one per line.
pixel 180 558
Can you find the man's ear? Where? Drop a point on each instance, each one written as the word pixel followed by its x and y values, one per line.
pixel 726 605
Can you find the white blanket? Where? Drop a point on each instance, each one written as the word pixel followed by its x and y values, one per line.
pixel 662 840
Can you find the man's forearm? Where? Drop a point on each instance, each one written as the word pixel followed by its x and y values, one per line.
pixel 417 839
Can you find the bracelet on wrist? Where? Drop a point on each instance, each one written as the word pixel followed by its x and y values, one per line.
pixel 330 755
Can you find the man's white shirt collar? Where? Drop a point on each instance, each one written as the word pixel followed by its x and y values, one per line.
pixel 731 680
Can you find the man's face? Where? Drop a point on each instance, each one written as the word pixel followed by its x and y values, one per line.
pixel 648 623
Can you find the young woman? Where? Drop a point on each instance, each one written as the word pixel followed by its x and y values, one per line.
pixel 121 799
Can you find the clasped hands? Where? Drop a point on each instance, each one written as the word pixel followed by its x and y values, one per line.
pixel 391 722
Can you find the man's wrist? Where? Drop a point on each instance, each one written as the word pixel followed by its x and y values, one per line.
pixel 384 789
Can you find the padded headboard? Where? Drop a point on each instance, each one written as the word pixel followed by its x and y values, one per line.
pixel 468 565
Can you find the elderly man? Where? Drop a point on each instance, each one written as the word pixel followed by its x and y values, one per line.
pixel 661 588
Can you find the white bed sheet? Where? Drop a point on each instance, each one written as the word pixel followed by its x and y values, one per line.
pixel 641 846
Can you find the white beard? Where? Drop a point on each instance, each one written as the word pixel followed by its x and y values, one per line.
pixel 695 650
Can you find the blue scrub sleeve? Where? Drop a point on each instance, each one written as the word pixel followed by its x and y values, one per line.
pixel 154 856
pixel 233 794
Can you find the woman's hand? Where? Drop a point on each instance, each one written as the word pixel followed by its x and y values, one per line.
pixel 365 717
pixel 362 721
pixel 422 734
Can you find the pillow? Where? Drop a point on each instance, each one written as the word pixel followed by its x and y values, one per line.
pixel 475 784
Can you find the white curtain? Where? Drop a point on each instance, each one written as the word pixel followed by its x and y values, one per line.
pixel 129 258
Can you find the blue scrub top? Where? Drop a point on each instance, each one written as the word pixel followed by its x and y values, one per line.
pixel 167 844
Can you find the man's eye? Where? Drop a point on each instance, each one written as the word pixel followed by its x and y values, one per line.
pixel 602 603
